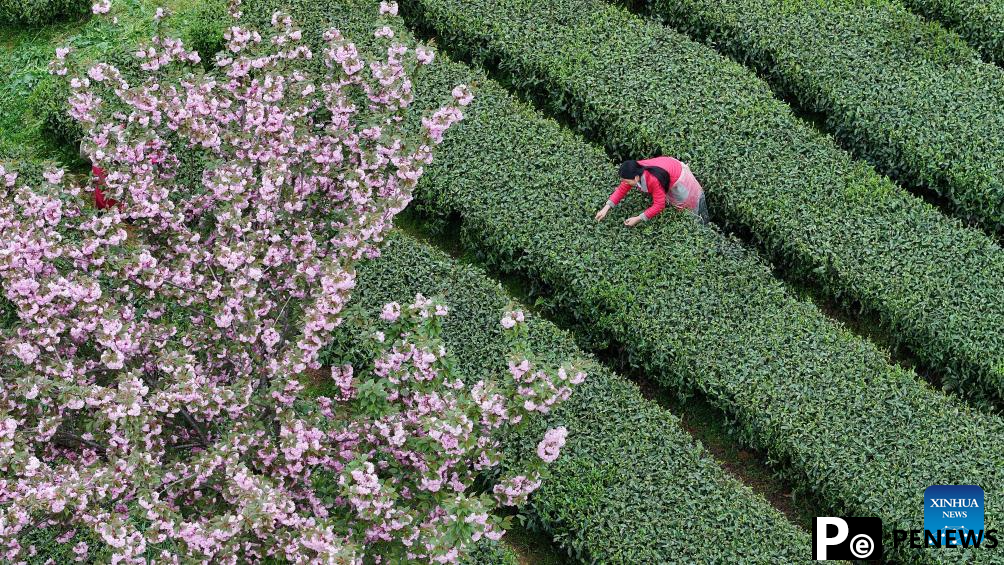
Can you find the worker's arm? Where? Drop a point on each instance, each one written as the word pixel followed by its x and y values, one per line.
pixel 658 203
pixel 615 198
pixel 622 189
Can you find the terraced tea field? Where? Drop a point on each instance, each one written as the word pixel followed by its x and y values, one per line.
pixel 854 148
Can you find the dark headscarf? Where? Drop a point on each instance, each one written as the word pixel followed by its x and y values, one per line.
pixel 631 169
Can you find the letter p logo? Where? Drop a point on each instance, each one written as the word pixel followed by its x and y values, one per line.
pixel 846 538
pixel 821 540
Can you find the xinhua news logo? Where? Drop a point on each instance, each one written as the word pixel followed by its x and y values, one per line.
pixel 955 512
pixel 846 538
pixel 953 517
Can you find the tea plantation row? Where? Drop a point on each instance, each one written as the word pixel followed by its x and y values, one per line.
pixel 935 286
pixel 903 93
pixel 631 486
pixel 980 22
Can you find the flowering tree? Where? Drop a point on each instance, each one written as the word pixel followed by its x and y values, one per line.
pixel 153 385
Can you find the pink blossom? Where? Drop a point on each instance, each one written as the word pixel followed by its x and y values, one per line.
pixel 54 176
pixel 512 319
pixel 26 352
pixel 223 319
pixel 424 55
pixel 550 447
pixel 270 337
pixel 391 312
pixel 102 6
pixel 80 551
pixel 463 95
pixel 388 8
pixel 515 490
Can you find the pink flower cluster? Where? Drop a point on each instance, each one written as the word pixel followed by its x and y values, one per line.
pixel 388 8
pixel 541 390
pixel 550 447
pixel 514 491
pixel 424 439
pixel 510 320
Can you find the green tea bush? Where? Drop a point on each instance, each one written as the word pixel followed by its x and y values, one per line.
pixel 491 553
pixel 39 12
pixel 934 286
pixel 903 93
pixel 202 28
pixel 631 486
pixel 48 102
pixel 981 23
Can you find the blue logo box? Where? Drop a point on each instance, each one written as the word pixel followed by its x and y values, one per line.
pixel 954 507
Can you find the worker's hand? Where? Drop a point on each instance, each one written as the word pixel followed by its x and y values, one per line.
pixel 632 221
pixel 602 213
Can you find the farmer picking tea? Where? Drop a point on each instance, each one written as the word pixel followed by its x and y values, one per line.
pixel 653 176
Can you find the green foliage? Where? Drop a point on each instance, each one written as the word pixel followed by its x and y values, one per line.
pixel 690 308
pixel 901 92
pixel 38 12
pixel 203 26
pixel 980 22
pixel 24 84
pixel 936 286
pixel 8 314
pixel 488 552
pixel 665 505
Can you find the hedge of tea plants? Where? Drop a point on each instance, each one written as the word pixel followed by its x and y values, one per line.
pixel 903 93
pixel 491 553
pixel 694 310
pixel 934 285
pixel 631 486
pixel 980 23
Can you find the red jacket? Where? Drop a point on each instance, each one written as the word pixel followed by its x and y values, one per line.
pixel 99 197
pixel 672 166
